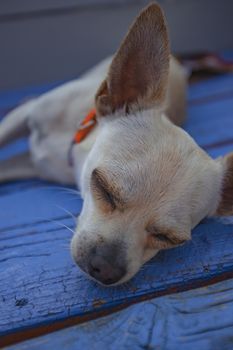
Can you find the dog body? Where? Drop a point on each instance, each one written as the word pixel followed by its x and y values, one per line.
pixel 50 122
pixel 144 181
pixel 53 118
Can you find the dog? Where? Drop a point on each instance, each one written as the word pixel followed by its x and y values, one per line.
pixel 144 181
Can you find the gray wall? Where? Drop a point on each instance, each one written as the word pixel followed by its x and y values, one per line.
pixel 50 40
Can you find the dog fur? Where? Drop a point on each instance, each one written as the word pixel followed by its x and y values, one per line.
pixel 144 181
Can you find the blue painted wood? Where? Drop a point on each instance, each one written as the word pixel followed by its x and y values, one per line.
pixel 197 319
pixel 211 123
pixel 216 86
pixel 39 282
pixel 15 148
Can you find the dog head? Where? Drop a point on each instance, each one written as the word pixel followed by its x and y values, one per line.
pixel 145 183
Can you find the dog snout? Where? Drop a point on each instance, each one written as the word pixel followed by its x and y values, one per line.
pixel 106 263
pixel 104 271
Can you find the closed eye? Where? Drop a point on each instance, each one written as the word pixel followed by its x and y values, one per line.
pixel 103 191
pixel 103 194
pixel 165 236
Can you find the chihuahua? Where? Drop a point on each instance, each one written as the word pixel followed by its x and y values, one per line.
pixel 144 181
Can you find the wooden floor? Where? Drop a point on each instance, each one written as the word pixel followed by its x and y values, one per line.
pixel 42 290
pixel 198 319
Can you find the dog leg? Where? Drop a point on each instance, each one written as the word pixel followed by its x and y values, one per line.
pixel 15 124
pixel 17 168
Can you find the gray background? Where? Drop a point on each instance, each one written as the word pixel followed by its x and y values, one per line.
pixel 51 40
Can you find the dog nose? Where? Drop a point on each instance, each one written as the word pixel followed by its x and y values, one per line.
pixel 104 271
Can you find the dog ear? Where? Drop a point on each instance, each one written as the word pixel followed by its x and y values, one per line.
pixel 137 78
pixel 225 206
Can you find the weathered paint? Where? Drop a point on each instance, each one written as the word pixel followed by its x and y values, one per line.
pixel 197 319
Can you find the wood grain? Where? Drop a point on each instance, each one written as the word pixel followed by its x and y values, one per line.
pixel 197 319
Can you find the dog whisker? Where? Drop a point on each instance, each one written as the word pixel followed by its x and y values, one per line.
pixel 66 245
pixel 69 190
pixel 51 220
pixel 74 199
pixel 59 223
pixel 65 248
pixel 65 226
pixel 68 212
pixel 63 189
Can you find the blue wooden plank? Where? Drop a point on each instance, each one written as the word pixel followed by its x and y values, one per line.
pixel 15 148
pixel 214 86
pixel 211 123
pixel 220 151
pixel 197 319
pixel 40 284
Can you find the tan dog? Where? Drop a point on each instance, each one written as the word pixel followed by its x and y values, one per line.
pixel 144 181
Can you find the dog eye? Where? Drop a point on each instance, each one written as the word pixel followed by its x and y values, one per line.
pixel 158 235
pixel 162 238
pixel 101 191
pixel 108 197
pixel 165 237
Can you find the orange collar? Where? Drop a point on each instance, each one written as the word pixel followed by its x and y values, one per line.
pixel 86 126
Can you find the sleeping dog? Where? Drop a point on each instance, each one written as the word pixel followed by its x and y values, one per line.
pixel 144 181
